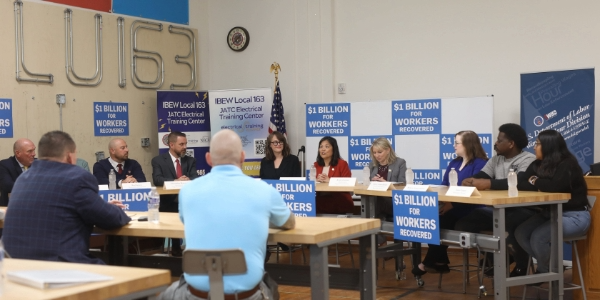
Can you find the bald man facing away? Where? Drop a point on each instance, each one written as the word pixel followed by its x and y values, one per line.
pixel 127 170
pixel 207 207
pixel 12 167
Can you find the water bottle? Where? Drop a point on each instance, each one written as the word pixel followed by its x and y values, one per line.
pixel 512 184
pixel 153 204
pixel 410 176
pixel 312 174
pixel 453 177
pixel 366 175
pixel 112 180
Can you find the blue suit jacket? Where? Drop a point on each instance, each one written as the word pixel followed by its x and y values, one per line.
pixel 52 211
pixel 9 171
pixel 130 167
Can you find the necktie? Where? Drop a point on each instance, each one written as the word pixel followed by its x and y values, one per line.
pixel 120 170
pixel 24 167
pixel 179 172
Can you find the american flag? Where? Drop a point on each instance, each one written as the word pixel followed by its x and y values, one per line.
pixel 277 119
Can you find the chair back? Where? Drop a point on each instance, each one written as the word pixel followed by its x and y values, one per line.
pixel 215 264
pixel 591 201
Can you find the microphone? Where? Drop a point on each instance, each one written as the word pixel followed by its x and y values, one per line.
pixel 302 149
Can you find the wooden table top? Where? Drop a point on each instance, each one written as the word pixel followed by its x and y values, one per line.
pixel 162 191
pixel 307 231
pixel 487 197
pixel 126 281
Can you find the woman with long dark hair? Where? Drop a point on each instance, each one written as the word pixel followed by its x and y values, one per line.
pixel 555 170
pixel 278 161
pixel 329 164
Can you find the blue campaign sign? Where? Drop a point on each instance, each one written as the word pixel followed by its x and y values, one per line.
pixel 360 150
pixel 416 217
pixel 447 153
pixel 111 119
pixel 427 176
pixel 6 124
pixel 417 117
pixel 299 195
pixel 133 199
pixel 328 119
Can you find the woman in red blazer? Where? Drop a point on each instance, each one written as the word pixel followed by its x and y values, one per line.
pixel 330 164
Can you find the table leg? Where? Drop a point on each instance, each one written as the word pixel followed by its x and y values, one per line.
pixel 556 253
pixel 367 204
pixel 501 291
pixel 117 250
pixel 367 267
pixel 319 272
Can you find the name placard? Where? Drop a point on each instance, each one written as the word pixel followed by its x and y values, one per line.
pixel 134 199
pixel 379 186
pixel 342 181
pixel 175 185
pixel 462 191
pixel 416 187
pixel 136 185
pixel 416 216
pixel 103 187
pixel 299 195
pixel 292 178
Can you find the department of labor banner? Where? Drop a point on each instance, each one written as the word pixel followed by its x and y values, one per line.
pixel 420 131
pixel 298 195
pixel 188 112
pixel 111 119
pixel 248 113
pixel 416 216
pixel 563 101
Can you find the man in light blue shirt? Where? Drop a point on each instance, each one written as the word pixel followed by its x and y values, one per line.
pixel 208 207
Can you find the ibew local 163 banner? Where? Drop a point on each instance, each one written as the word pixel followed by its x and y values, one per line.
pixel 298 195
pixel 133 199
pixel 563 101
pixel 187 112
pixel 111 119
pixel 416 216
pixel 248 113
pixel 6 127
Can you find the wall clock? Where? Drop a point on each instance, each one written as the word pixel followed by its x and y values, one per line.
pixel 238 38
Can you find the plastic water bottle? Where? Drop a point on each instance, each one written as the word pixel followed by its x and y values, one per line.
pixel 453 177
pixel 312 174
pixel 112 180
pixel 410 176
pixel 153 205
pixel 366 175
pixel 512 184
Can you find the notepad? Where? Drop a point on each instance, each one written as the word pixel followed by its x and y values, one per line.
pixel 48 279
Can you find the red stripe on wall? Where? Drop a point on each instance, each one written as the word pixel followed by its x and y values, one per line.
pixel 101 5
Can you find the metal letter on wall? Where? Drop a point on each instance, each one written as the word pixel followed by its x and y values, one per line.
pixel 190 35
pixel 20 49
pixel 70 65
pixel 160 67
pixel 121 50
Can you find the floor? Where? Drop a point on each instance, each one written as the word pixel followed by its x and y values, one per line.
pixel 390 288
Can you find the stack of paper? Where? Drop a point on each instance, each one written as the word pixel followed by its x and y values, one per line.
pixel 47 279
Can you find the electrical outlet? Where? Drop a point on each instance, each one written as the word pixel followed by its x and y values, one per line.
pixel 341 88
pixel 465 240
pixel 145 142
pixel 61 99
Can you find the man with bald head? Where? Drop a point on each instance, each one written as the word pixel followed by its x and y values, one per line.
pixel 208 207
pixel 12 167
pixel 127 170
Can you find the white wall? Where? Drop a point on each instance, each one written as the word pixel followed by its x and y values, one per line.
pixel 392 49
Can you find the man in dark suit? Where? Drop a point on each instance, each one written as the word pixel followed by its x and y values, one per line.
pixel 55 205
pixel 12 167
pixel 127 170
pixel 173 166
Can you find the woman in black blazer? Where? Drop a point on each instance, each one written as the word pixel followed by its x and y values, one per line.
pixel 278 161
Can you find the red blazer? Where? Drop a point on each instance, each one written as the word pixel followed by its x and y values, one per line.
pixel 341 170
pixel 335 203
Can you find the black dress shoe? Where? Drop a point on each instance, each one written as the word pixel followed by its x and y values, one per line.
pixel 418 272
pixel 516 272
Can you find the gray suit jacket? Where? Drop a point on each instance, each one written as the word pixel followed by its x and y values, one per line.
pixel 396 170
pixel 163 169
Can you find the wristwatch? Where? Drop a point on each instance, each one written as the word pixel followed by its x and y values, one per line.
pixel 532 179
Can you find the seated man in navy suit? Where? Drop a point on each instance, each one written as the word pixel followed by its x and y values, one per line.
pixel 55 205
pixel 127 170
pixel 12 167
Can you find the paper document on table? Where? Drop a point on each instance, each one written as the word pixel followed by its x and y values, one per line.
pixel 47 279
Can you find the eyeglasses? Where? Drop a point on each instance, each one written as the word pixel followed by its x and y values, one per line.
pixel 457 143
pixel 277 143
pixel 537 144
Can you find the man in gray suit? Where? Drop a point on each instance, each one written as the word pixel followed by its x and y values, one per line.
pixel 173 166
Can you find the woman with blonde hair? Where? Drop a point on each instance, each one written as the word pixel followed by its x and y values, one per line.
pixel 386 166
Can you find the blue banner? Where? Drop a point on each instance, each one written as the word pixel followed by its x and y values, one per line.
pixel 359 148
pixel 6 121
pixel 416 217
pixel 563 101
pixel 417 117
pixel 111 119
pixel 427 176
pixel 299 195
pixel 188 112
pixel 447 153
pixel 328 119
pixel 133 199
